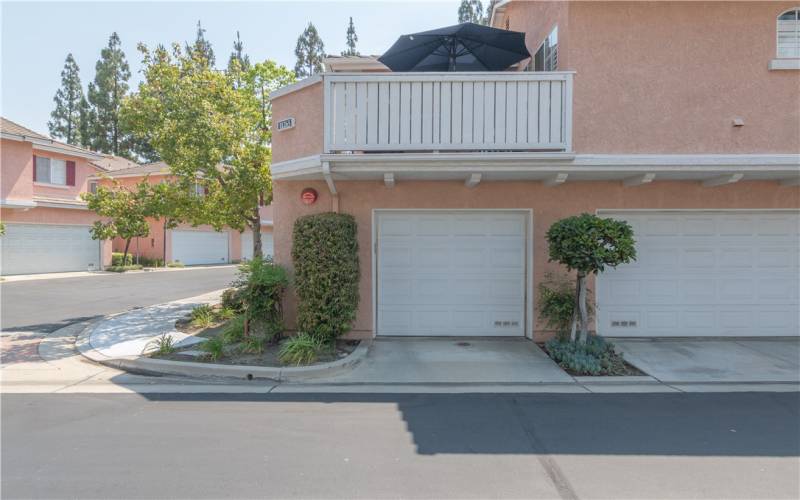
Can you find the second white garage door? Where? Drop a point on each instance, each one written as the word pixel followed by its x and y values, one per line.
pixel 705 274
pixel 457 273
pixel 247 245
pixel 199 247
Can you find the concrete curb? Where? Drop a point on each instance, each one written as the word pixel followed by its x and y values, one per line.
pixel 150 366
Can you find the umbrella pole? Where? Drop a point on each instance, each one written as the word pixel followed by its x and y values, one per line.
pixel 452 51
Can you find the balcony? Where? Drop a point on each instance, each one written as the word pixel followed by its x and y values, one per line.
pixel 427 112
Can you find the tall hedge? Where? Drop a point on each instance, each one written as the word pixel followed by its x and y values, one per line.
pixel 325 256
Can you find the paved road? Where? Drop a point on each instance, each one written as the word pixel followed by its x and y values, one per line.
pixel 401 446
pixel 46 305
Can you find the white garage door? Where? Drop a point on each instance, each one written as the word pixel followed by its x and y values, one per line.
pixel 247 245
pixel 46 248
pixel 705 274
pixel 200 247
pixel 451 273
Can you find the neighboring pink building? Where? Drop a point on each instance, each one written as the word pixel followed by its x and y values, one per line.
pixel 187 244
pixel 47 224
pixel 682 118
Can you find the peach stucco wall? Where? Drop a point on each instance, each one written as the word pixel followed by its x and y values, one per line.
pixel 670 77
pixel 548 205
pixel 16 174
pixel 307 137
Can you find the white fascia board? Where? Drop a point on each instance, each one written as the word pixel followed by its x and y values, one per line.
pixel 294 87
pixel 52 146
pixel 266 222
pixel 309 165
pixel 7 203
pixel 55 204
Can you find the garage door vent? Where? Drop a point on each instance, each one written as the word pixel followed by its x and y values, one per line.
pixel 506 323
pixel 623 323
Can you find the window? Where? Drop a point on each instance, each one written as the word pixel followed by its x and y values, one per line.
pixel 198 190
pixel 51 171
pixel 93 187
pixel 788 32
pixel 546 58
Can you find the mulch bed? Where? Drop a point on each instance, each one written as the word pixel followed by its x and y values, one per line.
pixel 630 370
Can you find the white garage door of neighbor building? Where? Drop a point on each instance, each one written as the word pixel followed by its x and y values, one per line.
pixel 47 248
pixel 200 247
pixel 247 245
pixel 451 273
pixel 705 274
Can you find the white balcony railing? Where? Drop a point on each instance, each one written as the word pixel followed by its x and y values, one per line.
pixel 516 111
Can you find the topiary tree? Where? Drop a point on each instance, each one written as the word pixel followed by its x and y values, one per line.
pixel 587 244
pixel 325 256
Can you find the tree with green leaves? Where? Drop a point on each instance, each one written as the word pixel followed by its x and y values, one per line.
pixel 238 60
pixel 201 49
pixel 352 39
pixel 105 96
pixel 86 123
pixel 587 244
pixel 65 120
pixel 124 210
pixel 171 204
pixel 310 51
pixel 470 11
pixel 489 8
pixel 210 132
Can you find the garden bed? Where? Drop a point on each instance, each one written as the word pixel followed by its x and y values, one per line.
pixel 236 349
pixel 598 357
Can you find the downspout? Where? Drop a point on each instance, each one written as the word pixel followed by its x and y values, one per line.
pixel 326 173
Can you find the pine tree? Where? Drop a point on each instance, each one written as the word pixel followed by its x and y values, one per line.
pixel 238 62
pixel 352 39
pixel 470 11
pixel 309 51
pixel 105 95
pixel 86 120
pixel 65 122
pixel 488 17
pixel 202 47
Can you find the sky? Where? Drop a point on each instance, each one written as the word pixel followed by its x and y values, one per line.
pixel 37 36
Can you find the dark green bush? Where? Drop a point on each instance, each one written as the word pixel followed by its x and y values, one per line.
pixel 150 261
pixel 122 269
pixel 325 256
pixel 596 356
pixel 232 299
pixel 116 259
pixel 557 304
pixel 260 286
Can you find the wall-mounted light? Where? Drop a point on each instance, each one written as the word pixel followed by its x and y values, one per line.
pixel 738 122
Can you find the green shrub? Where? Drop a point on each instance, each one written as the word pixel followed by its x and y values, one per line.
pixel 302 349
pixel 151 261
pixel 254 344
pixel 233 331
pixel 224 313
pixel 116 259
pixel 175 263
pixel 232 299
pixel 260 286
pixel 214 348
pixel 163 344
pixel 122 269
pixel 557 304
pixel 325 256
pixel 596 356
pixel 202 315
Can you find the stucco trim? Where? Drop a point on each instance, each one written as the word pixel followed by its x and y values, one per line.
pixel 294 87
pixel 51 146
pixel 10 203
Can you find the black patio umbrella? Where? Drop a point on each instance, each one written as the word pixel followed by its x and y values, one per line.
pixel 463 47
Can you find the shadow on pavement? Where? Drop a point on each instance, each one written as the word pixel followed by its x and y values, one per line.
pixel 699 424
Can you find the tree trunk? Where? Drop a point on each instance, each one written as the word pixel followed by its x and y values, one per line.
pixel 125 253
pixel 575 308
pixel 255 226
pixel 582 302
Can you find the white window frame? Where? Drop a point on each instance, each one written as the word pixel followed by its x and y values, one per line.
pixel 549 53
pixel 52 164
pixel 796 55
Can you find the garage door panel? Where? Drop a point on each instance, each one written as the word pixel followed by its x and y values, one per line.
pixel 731 282
pixel 200 247
pixel 267 245
pixel 43 248
pixel 451 273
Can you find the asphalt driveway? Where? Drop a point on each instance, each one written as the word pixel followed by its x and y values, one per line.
pixel 47 305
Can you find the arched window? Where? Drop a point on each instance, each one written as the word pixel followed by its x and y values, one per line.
pixel 788 30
